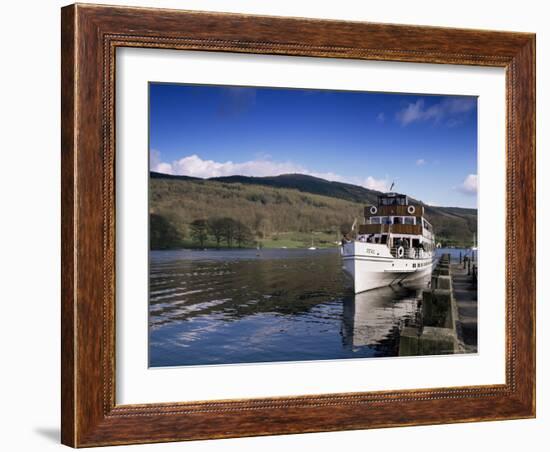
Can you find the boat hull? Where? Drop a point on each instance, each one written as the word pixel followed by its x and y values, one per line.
pixel 372 266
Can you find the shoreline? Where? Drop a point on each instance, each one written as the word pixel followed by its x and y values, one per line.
pixel 243 248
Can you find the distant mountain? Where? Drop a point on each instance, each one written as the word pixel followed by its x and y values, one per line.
pixel 301 182
pixel 155 175
pixel 309 184
pixel 452 224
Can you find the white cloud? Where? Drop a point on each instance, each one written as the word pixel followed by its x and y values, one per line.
pixel 414 112
pixel 443 110
pixel 469 186
pixel 420 162
pixel 194 166
pixel 328 176
pixel 164 168
pixel 155 163
pixel 376 184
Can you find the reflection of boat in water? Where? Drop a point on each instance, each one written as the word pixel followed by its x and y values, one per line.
pixel 394 246
pixel 371 317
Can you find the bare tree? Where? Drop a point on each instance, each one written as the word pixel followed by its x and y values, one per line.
pixel 243 235
pixel 216 228
pixel 199 231
pixel 263 226
pixel 228 230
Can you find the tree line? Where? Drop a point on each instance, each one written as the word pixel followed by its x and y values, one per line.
pixel 222 230
pixel 267 211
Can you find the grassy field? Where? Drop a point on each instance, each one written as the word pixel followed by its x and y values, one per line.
pixel 300 240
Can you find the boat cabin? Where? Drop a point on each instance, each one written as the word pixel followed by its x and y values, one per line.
pixel 396 222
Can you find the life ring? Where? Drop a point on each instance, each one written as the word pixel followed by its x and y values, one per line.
pixel 400 252
pixel 373 210
pixel 411 209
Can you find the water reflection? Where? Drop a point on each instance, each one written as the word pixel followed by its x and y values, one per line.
pixel 372 319
pixel 244 306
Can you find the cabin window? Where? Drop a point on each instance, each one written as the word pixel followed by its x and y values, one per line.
pixel 409 220
pixel 384 239
pixel 374 220
pixel 386 220
pixel 393 201
pixel 396 220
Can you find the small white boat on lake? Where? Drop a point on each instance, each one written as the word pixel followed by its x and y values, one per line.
pixel 474 248
pixel 312 247
pixel 395 245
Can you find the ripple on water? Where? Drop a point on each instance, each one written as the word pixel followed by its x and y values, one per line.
pixel 220 307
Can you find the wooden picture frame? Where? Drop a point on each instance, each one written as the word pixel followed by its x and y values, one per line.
pixel 90 36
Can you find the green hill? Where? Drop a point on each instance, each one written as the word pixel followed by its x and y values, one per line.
pixel 289 210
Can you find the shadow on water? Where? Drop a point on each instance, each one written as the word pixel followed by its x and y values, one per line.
pixel 244 306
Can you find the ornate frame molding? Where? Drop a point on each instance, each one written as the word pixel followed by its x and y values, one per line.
pixel 90 37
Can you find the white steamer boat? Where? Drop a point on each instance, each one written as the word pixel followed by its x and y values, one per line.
pixel 396 245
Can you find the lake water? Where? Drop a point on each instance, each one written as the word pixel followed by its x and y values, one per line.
pixel 249 306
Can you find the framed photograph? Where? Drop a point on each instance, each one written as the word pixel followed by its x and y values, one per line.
pixel 281 225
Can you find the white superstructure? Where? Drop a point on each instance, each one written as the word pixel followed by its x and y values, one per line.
pixel 394 246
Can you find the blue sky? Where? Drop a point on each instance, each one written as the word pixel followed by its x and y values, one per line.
pixel 426 144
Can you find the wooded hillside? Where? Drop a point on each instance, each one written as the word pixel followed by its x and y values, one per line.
pixel 289 210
